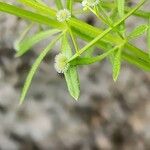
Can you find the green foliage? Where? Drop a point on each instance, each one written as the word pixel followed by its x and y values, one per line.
pixel 112 40
pixel 138 31
pixel 148 36
pixel 117 64
pixel 69 5
pixel 121 7
pixel 23 46
pixel 71 74
pixel 59 4
pixel 35 67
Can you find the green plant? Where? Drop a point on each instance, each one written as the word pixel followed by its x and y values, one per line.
pixel 62 22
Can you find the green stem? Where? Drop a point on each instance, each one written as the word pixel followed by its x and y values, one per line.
pixel 69 4
pixel 87 61
pixel 139 13
pixel 73 38
pixel 87 33
pixel 106 31
pixel 107 20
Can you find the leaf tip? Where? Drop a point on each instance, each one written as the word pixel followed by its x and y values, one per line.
pixel 21 101
pixel 76 97
pixel 115 79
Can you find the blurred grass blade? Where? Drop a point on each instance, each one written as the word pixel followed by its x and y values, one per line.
pixel 117 64
pixel 139 13
pixel 59 4
pixel 40 1
pixel 35 67
pixel 121 7
pixel 35 17
pixel 148 36
pixel 28 42
pixel 71 74
pixel 70 5
pixel 138 31
pixel 121 11
pixel 43 9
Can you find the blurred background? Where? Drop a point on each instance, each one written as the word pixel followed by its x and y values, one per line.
pixel 108 115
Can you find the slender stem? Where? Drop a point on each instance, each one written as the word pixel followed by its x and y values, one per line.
pixel 107 21
pixel 59 4
pixel 69 5
pixel 139 13
pixel 87 61
pixel 24 33
pixel 87 33
pixel 73 38
pixel 106 31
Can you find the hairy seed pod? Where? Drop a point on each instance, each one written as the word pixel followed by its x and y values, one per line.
pixel 90 3
pixel 63 15
pixel 61 63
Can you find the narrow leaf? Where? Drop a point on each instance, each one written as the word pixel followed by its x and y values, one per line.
pixel 117 64
pixel 35 67
pixel 72 80
pixel 70 4
pixel 40 7
pixel 71 74
pixel 121 7
pixel 59 4
pixel 138 31
pixel 28 42
pixel 148 36
pixel 91 60
pixel 105 32
pixel 32 16
pixel 40 1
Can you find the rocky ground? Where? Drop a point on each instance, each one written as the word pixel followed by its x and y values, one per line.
pixel 108 116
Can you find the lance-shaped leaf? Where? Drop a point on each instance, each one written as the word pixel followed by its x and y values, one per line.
pixel 35 67
pixel 148 36
pixel 121 10
pixel 25 45
pixel 138 31
pixel 39 7
pixel 121 7
pixel 117 64
pixel 71 74
pixel 69 4
pixel 32 16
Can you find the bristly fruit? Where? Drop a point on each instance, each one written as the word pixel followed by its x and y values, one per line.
pixel 61 63
pixel 63 15
pixel 90 3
